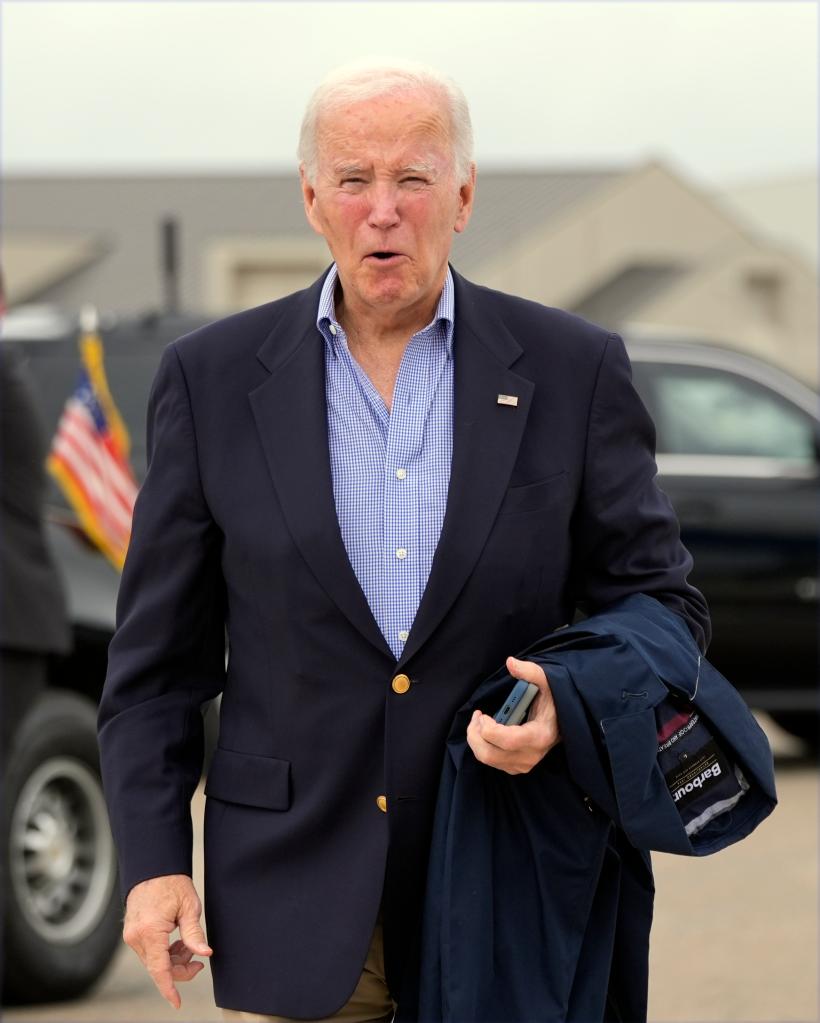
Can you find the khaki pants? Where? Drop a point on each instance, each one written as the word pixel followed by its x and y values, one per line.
pixel 369 1003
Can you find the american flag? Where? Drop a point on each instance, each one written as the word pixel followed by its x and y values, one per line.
pixel 89 457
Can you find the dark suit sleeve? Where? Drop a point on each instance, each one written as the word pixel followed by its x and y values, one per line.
pixel 168 654
pixel 626 537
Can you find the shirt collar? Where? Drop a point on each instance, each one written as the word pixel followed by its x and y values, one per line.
pixel 326 313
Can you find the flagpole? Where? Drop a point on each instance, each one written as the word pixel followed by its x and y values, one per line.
pixel 89 320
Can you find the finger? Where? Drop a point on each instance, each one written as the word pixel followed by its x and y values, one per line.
pixel 503 737
pixel 483 728
pixel 187 971
pixel 488 754
pixel 192 934
pixel 541 733
pixel 529 671
pixel 159 967
pixel 477 743
pixel 180 953
pixel 543 706
pixel 513 748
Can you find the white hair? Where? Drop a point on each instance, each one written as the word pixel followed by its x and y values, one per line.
pixel 364 80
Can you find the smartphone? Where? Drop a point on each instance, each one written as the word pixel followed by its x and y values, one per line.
pixel 517 703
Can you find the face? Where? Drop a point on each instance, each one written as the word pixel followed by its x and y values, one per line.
pixel 387 201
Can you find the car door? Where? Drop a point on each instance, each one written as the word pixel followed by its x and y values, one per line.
pixel 739 461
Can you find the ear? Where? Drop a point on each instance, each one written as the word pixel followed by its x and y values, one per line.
pixel 309 200
pixel 466 194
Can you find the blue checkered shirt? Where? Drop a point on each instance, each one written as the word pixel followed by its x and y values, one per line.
pixel 391 469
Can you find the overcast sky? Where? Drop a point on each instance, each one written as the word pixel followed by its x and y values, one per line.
pixel 726 90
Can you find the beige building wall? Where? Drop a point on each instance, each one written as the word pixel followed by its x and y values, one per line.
pixel 240 272
pixel 736 290
pixel 785 209
pixel 31 261
pixel 752 298
pixel 645 217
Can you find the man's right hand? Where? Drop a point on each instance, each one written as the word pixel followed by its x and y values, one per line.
pixel 153 910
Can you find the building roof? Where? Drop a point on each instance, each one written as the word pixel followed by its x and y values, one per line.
pixel 623 296
pixel 123 215
pixel 512 203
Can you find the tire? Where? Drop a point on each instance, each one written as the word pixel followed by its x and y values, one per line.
pixel 803 724
pixel 62 914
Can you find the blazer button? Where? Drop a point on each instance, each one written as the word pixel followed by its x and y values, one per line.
pixel 401 683
pixel 381 802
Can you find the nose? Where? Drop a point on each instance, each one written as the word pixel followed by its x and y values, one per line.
pixel 384 210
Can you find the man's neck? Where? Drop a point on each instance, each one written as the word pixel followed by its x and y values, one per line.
pixel 382 329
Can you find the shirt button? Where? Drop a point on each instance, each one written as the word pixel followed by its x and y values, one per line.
pixel 401 474
pixel 401 553
pixel 381 802
pixel 403 635
pixel 400 684
pixel 332 329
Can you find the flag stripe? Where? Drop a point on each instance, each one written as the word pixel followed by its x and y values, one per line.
pixel 94 462
pixel 65 457
pixel 89 458
pixel 114 551
pixel 80 427
pixel 77 412
pixel 112 513
pixel 87 464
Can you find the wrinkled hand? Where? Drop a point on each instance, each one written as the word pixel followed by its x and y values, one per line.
pixel 153 911
pixel 516 749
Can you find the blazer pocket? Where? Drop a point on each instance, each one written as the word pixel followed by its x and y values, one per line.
pixel 249 779
pixel 534 496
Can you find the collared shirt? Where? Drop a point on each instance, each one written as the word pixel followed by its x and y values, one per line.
pixel 391 469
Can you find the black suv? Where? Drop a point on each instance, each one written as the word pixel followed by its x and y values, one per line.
pixel 738 454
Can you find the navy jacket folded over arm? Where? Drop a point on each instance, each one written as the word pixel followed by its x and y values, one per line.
pixel 539 898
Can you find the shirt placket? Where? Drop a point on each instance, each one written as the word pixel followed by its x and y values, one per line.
pixel 403 470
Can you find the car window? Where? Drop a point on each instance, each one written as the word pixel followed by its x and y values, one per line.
pixel 702 411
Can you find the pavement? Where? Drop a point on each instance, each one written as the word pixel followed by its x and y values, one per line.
pixel 735 935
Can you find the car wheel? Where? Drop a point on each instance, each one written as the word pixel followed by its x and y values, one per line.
pixel 62 911
pixel 804 724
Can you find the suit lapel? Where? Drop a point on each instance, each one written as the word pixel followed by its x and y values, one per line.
pixel 486 439
pixel 291 416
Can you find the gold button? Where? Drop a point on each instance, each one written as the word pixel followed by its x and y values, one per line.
pixel 401 683
pixel 381 802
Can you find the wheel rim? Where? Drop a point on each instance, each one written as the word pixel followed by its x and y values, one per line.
pixel 61 855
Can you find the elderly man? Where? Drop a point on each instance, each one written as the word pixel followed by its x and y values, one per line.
pixel 381 488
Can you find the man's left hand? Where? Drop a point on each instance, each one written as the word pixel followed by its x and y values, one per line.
pixel 516 749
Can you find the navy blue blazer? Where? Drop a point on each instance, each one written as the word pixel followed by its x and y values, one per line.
pixel 552 504
pixel 539 894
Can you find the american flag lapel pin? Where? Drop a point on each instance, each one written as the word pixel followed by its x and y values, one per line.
pixel 507 399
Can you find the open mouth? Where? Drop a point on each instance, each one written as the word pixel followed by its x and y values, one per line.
pixel 384 256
